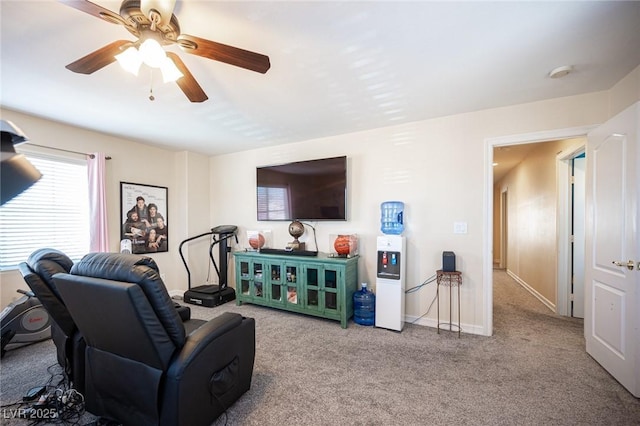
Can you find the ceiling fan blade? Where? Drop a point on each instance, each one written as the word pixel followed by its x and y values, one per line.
pixel 163 7
pixel 97 11
pixel 224 53
pixel 98 59
pixel 187 82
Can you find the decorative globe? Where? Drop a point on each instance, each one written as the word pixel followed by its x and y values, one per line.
pixel 296 229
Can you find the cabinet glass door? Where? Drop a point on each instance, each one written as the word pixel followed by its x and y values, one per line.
pixel 257 290
pixel 275 283
pixel 313 287
pixel 245 277
pixel 322 288
pixel 292 284
pixel 330 289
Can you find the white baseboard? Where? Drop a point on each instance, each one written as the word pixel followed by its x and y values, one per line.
pixel 433 323
pixel 533 291
pixel 176 293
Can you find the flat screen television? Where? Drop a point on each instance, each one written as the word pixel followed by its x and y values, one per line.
pixel 304 190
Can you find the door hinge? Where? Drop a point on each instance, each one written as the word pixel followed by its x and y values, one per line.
pixel 571 238
pixel 572 180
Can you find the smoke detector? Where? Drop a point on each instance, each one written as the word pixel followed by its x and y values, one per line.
pixel 560 71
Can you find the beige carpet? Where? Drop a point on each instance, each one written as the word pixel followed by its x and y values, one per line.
pixel 309 371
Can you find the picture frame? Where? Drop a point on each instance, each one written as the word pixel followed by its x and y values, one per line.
pixel 144 218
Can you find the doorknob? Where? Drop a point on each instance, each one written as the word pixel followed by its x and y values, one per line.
pixel 630 264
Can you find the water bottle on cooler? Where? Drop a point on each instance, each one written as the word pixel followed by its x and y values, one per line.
pixel 391 217
pixel 364 306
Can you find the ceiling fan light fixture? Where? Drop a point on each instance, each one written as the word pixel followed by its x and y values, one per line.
pixel 152 53
pixel 130 60
pixel 154 25
pixel 170 71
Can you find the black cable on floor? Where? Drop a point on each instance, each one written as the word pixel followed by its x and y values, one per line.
pixel 55 403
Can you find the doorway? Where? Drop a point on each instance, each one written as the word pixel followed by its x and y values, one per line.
pixel 547 182
pixel 490 146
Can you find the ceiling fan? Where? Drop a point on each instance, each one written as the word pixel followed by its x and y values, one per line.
pixel 154 20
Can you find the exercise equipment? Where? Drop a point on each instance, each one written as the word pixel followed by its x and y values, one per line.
pixel 211 295
pixel 23 322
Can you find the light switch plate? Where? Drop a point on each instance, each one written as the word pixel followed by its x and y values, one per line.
pixel 460 227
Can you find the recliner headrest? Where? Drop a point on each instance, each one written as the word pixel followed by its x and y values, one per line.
pixel 141 270
pixel 113 266
pixel 46 262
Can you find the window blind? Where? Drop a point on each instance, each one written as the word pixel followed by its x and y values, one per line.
pixel 53 213
pixel 273 203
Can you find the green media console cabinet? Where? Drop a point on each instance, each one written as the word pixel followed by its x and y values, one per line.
pixel 321 285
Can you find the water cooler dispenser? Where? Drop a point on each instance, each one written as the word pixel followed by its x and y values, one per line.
pixel 390 282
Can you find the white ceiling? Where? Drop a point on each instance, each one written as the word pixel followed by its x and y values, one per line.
pixel 336 67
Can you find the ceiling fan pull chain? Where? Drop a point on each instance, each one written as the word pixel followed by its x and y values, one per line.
pixel 154 19
pixel 151 97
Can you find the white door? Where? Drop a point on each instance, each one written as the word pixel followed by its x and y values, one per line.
pixel 577 279
pixel 612 293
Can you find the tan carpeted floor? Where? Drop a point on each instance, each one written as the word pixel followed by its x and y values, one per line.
pixel 309 371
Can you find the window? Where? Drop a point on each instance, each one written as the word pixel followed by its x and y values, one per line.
pixel 53 213
pixel 273 203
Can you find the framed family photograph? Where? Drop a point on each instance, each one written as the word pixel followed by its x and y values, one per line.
pixel 143 212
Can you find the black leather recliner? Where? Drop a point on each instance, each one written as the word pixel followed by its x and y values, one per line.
pixel 142 367
pixel 37 272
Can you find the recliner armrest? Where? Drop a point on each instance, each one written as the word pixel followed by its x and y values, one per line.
pixel 213 369
pixel 205 334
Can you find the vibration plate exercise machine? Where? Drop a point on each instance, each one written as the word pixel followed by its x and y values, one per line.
pixel 210 295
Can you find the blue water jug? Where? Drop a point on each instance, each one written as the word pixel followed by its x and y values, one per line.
pixel 391 217
pixel 364 306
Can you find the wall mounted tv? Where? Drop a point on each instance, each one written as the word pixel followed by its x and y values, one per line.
pixel 304 190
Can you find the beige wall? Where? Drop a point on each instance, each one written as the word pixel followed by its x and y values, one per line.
pixel 193 206
pixel 437 167
pixel 625 93
pixel 532 212
pixel 131 162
